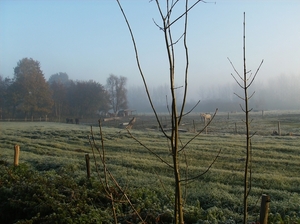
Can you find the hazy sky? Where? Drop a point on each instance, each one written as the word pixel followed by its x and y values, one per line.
pixel 90 40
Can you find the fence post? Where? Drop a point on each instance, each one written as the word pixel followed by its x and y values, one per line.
pixel 235 128
pixel 88 166
pixel 264 208
pixel 279 130
pixel 17 155
pixel 194 126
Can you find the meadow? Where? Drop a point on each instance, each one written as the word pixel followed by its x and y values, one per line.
pixel 59 149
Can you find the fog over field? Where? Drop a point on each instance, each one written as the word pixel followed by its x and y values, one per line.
pixel 79 38
pixel 277 93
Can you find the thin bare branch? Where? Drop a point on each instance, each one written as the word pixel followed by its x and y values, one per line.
pixel 139 66
pixel 160 12
pixel 126 197
pixel 243 121
pixel 161 28
pixel 242 108
pixel 191 109
pixel 249 76
pixel 178 87
pixel 251 95
pixel 171 57
pixel 235 70
pixel 104 184
pixel 198 133
pixel 253 134
pixel 107 174
pixel 175 42
pixel 251 119
pixel 239 96
pixel 171 8
pixel 189 180
pixel 256 73
pixel 186 175
pixel 163 186
pixel 150 150
pixel 103 152
pixel 169 11
pixel 96 164
pixel 186 64
pixel 236 81
pixel 186 11
pixel 167 103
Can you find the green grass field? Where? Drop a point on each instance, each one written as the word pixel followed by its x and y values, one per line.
pixel 47 146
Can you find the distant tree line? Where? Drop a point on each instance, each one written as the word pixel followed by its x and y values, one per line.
pixel 28 94
pixel 280 92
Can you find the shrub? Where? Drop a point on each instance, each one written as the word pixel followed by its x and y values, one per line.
pixel 28 196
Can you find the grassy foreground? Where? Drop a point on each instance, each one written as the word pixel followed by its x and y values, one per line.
pixel 50 185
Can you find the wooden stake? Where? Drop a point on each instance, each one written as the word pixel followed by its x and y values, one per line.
pixel 194 126
pixel 264 208
pixel 279 131
pixel 88 166
pixel 17 154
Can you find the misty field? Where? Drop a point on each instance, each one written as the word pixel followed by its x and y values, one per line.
pixel 216 196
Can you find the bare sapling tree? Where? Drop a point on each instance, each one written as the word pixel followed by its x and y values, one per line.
pixel 246 81
pixel 113 190
pixel 177 109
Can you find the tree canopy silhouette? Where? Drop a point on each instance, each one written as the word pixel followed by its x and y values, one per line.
pixel 116 87
pixel 29 93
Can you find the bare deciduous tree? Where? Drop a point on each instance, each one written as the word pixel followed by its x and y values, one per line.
pixel 114 192
pixel 177 109
pixel 116 87
pixel 245 83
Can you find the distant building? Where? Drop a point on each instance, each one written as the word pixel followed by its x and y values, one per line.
pixel 124 113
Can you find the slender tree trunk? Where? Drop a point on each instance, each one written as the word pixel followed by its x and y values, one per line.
pixel 178 194
pixel 175 115
pixel 247 134
pixel 175 133
pixel 245 85
pixel 174 138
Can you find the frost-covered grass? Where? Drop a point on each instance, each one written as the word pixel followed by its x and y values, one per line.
pixel 275 167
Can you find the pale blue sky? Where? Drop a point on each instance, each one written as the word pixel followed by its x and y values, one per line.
pixel 90 40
